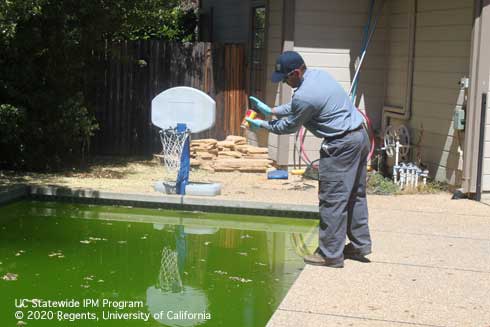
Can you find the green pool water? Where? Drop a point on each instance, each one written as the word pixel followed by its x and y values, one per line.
pixel 119 266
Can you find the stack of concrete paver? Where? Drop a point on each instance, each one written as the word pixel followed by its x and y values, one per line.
pixel 232 154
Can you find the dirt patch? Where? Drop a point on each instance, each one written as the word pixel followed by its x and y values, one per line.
pixel 138 177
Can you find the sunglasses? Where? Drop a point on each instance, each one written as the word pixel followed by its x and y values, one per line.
pixel 285 79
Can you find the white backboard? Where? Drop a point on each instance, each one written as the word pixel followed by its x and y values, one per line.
pixel 183 105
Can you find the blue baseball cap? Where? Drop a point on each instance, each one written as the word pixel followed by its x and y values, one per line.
pixel 286 63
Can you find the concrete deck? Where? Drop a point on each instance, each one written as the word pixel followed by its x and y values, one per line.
pixel 485 198
pixel 430 267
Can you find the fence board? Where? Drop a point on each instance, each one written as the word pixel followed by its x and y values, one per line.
pixel 126 76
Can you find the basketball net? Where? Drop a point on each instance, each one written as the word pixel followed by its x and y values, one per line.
pixel 172 144
pixel 169 279
pixel 301 246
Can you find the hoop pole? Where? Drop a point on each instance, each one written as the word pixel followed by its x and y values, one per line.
pixel 185 162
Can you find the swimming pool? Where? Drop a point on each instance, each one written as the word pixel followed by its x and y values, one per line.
pixel 86 265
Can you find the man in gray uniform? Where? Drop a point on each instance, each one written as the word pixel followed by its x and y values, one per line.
pixel 323 107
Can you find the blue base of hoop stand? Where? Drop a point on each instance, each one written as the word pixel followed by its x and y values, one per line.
pixel 185 163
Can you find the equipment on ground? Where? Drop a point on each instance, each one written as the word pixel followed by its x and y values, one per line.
pixel 312 170
pixel 297 172
pixel 180 111
pixel 396 142
pixel 173 143
pixel 277 174
pixel 185 105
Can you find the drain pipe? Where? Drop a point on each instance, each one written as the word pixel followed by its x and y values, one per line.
pixel 479 169
pixel 365 46
pixel 368 35
pixel 365 38
pixel 406 112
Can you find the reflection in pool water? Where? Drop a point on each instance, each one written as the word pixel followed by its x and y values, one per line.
pixel 186 268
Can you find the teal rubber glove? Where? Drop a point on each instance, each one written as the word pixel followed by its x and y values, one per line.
pixel 255 124
pixel 256 103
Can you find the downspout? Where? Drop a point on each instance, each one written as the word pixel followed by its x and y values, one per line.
pixel 479 173
pixel 355 81
pixel 286 93
pixel 405 113
pixel 280 143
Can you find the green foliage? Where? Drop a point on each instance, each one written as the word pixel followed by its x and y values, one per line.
pixel 48 143
pixel 161 19
pixel 433 187
pixel 68 135
pixel 14 11
pixel 377 184
pixel 12 122
pixel 102 19
pixel 46 55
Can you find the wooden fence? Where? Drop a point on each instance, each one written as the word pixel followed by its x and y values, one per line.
pixel 126 76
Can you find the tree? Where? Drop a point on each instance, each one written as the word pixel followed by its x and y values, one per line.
pixel 45 50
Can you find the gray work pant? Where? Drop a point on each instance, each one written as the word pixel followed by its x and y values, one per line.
pixel 342 194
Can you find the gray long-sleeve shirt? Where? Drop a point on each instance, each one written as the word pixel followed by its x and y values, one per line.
pixel 320 104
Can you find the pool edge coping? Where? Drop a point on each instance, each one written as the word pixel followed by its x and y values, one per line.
pixel 180 202
pixel 13 193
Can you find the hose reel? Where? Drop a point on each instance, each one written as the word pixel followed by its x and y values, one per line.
pixel 393 135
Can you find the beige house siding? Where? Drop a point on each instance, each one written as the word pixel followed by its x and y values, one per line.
pixel 442 57
pixel 397 54
pixel 328 35
pixel 274 14
pixel 276 143
pixel 274 47
pixel 486 150
pixel 398 58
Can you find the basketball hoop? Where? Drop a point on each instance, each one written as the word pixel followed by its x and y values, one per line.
pixel 176 154
pixel 178 112
pixel 169 279
pixel 173 142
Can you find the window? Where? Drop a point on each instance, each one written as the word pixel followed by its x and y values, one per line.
pixel 257 52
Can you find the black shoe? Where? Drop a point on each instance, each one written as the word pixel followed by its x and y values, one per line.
pixel 319 260
pixel 358 255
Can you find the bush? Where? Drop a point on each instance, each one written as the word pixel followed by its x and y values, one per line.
pixel 433 187
pixel 55 140
pixel 377 184
pixel 77 126
pixel 12 120
pixel 48 54
pixel 61 138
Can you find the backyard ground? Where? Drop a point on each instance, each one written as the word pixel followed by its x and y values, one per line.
pixel 139 175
